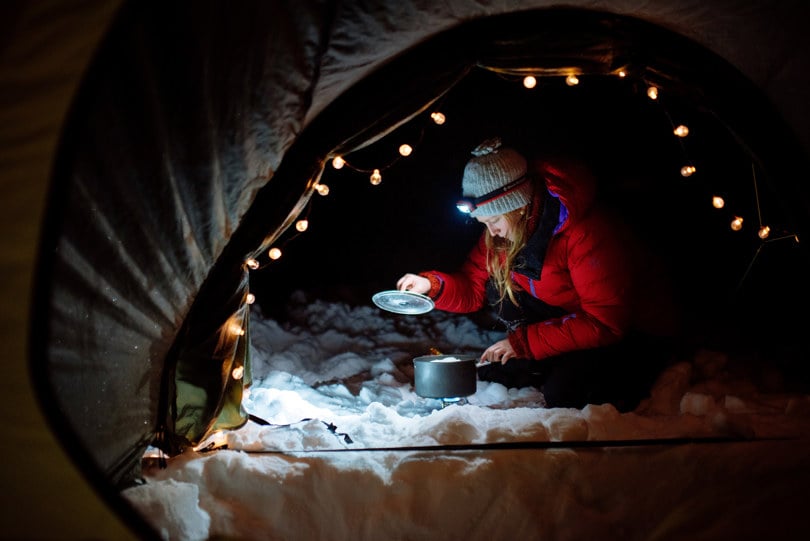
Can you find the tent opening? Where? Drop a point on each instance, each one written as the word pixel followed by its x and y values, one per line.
pixel 135 304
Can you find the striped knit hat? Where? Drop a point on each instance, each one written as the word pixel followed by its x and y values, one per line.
pixel 491 171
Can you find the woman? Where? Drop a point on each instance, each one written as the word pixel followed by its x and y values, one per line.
pixel 565 278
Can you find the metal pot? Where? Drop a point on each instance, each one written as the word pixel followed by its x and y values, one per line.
pixel 444 376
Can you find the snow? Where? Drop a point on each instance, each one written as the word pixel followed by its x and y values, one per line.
pixel 335 382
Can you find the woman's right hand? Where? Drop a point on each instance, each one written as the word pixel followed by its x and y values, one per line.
pixel 415 283
pixel 499 352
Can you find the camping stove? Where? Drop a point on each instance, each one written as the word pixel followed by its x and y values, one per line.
pixel 458 401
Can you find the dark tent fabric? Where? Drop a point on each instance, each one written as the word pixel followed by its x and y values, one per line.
pixel 202 129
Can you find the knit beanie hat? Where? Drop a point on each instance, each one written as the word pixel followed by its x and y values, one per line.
pixel 491 168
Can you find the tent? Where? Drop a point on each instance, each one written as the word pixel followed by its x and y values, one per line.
pixel 201 131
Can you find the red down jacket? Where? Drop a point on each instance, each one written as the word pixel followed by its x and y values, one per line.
pixel 592 269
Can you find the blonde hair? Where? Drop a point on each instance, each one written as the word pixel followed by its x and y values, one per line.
pixel 501 252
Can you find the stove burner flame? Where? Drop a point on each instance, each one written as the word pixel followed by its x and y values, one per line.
pixel 449 401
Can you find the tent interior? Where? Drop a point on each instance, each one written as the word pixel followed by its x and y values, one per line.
pixel 202 132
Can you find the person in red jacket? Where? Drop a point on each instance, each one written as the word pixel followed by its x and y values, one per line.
pixel 577 295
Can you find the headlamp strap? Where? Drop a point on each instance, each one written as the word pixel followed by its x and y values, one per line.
pixel 499 191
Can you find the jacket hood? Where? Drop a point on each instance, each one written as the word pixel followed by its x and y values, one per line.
pixel 572 183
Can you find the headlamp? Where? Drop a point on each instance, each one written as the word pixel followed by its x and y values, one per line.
pixel 465 205
pixel 468 204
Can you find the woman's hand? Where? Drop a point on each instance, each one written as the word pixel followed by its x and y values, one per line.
pixel 415 283
pixel 499 352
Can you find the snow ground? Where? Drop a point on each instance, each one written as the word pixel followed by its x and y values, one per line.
pixel 333 370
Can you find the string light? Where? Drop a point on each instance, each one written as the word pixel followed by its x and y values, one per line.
pixel 736 223
pixel 622 73
pixel 236 329
pixel 681 131
pixel 572 80
pixel 529 81
pixel 718 202
pixel 338 162
pixel 252 264
pixel 274 253
pixel 652 93
pixel 405 150
pixel 375 177
pixel 215 441
pixel 238 372
pixel 322 189
pixel 301 225
pixel 438 118
pixel 763 232
pixel 250 299
pixel 688 170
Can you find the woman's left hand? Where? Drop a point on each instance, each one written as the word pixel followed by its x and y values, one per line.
pixel 499 352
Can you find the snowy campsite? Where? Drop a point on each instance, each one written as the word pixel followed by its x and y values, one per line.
pixel 219 213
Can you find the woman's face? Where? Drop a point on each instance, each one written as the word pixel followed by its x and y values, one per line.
pixel 498 226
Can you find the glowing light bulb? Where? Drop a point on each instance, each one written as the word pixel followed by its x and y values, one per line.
pixel 405 150
pixel 375 177
pixel 529 81
pixel 215 441
pixel 652 93
pixel 251 298
pixel 622 73
pixel 736 223
pixel 572 80
pixel 274 253
pixel 438 118
pixel 322 189
pixel 301 225
pixel 338 162
pixel 252 264
pixel 688 170
pixel 238 372
pixel 718 202
pixel 763 232
pixel 681 131
pixel 236 330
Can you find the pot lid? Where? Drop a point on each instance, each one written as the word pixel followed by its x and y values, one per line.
pixel 403 302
